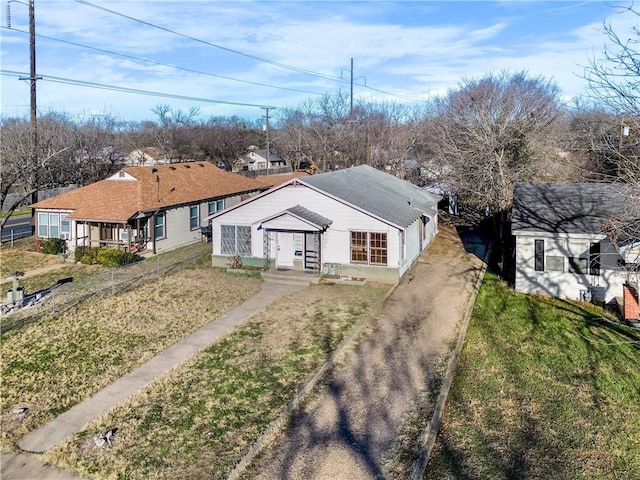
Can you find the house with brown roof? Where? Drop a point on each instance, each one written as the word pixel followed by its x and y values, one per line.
pixel 153 209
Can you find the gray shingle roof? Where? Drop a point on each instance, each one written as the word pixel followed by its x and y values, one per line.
pixel 567 207
pixel 310 216
pixel 385 196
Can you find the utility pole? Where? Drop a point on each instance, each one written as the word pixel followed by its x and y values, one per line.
pixel 33 78
pixel 266 129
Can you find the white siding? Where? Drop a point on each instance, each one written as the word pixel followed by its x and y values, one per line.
pixel 566 284
pixel 336 240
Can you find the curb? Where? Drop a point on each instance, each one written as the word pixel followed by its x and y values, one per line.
pixel 428 437
pixel 275 427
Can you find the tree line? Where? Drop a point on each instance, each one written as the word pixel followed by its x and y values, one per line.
pixel 477 140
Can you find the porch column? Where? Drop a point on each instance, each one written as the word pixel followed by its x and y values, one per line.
pixel 153 232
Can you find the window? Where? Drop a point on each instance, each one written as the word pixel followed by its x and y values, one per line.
pixel 378 251
pixel 216 206
pixel 65 225
pixel 359 247
pixel 539 255
pixel 53 225
pixel 43 225
pixel 235 239
pixel 194 217
pixel 594 259
pixel 369 247
pixel 583 258
pixel 158 226
pixel 578 253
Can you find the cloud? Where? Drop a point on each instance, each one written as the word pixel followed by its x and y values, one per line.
pixel 409 48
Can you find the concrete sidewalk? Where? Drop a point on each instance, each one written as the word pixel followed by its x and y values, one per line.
pixel 73 420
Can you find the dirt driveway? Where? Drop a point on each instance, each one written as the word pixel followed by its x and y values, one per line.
pixel 349 429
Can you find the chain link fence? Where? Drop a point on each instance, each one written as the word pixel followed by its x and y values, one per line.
pixel 66 295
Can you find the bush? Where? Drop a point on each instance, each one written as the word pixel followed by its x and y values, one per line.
pixel 112 257
pixel 37 245
pixel 54 246
pixel 86 255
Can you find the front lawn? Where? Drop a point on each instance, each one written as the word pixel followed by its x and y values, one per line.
pixel 544 389
pixel 51 365
pixel 197 421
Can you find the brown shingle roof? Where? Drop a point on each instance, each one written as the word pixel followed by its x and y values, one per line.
pixel 279 178
pixel 117 200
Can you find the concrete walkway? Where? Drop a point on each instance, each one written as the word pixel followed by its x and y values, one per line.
pixel 73 420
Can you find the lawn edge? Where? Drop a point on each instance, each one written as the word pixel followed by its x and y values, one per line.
pixel 428 437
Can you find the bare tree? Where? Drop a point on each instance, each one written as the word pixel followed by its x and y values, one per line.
pixel 173 134
pixel 224 139
pixel 489 133
pixel 614 82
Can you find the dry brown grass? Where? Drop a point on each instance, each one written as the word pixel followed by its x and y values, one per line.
pixel 198 420
pixel 21 258
pixel 52 365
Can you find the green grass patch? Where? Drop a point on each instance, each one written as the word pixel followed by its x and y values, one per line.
pixel 545 388
pixel 200 419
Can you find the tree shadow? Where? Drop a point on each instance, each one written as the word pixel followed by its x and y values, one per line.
pixel 359 410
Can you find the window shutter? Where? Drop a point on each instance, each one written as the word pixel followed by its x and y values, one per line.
pixel 539 255
pixel 594 259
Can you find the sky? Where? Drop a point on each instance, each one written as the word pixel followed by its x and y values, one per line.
pixel 226 58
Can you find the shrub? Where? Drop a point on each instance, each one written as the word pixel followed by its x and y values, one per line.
pixel 54 246
pixel 86 255
pixel 37 245
pixel 112 257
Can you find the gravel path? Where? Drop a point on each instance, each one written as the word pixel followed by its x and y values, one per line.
pixel 348 430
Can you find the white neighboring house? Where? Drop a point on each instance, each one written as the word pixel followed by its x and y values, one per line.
pixel 149 156
pixel 356 222
pixel 564 244
pixel 257 160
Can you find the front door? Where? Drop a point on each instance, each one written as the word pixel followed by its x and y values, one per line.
pixel 284 257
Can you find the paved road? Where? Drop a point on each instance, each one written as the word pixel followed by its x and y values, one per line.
pixel 19 227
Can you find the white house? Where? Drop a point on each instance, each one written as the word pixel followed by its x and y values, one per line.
pixel 259 160
pixel 358 222
pixel 566 243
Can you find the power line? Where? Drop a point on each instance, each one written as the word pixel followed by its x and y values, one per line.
pixel 247 55
pixel 154 62
pixel 101 86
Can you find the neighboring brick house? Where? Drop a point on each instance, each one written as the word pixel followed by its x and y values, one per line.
pixel 147 208
pixel 566 245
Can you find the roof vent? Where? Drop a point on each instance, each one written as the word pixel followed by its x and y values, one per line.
pixel 154 169
pixel 187 166
pixel 172 168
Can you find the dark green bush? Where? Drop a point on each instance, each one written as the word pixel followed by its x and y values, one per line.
pixel 54 246
pixel 113 257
